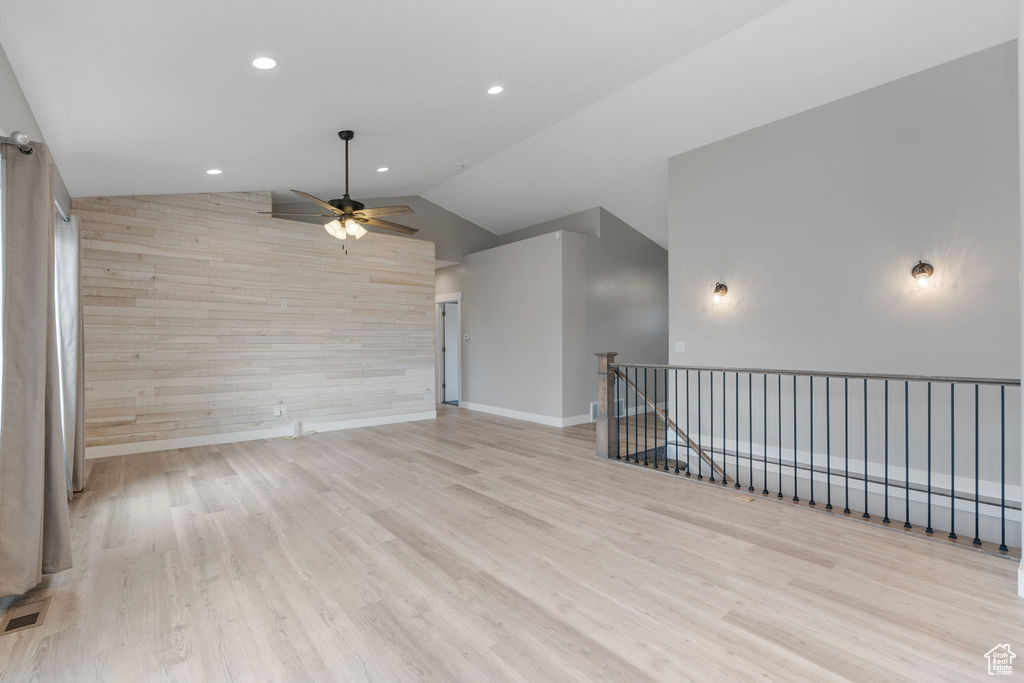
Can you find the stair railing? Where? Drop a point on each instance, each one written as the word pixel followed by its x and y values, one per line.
pixel 926 453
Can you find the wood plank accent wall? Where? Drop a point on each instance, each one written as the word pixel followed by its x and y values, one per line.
pixel 201 315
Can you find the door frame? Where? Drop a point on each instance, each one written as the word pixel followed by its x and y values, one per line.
pixel 439 300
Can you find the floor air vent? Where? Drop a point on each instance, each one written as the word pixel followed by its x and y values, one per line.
pixel 25 616
pixel 620 406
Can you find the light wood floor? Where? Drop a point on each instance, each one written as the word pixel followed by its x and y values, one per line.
pixel 475 548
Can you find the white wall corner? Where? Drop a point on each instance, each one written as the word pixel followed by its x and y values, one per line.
pixel 1020 157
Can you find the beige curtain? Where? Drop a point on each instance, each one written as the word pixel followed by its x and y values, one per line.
pixel 34 525
pixel 70 355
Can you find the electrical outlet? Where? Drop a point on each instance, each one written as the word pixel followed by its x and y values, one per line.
pixel 284 409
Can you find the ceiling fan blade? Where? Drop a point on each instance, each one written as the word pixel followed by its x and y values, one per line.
pixel 334 211
pixel 388 225
pixel 384 211
pixel 279 213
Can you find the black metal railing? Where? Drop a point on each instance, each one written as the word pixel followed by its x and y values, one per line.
pixel 927 452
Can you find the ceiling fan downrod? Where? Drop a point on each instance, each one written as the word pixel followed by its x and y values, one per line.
pixel 346 135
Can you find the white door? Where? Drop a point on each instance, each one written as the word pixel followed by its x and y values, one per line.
pixel 450 351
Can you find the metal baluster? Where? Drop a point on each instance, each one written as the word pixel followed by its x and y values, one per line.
pixel 906 451
pixel 810 383
pixel 711 381
pixel 618 417
pixel 675 385
pixel 846 445
pixel 885 471
pixel 700 436
pixel 796 498
pixel 750 430
pixel 655 373
pixel 1002 467
pixel 625 405
pixel 625 390
pixel 625 409
pixel 866 515
pixel 725 432
pixel 645 416
pixel 636 415
pixel 665 435
pixel 737 433
pixel 929 529
pixel 828 447
pixel 952 462
pixel 764 454
pixel 780 436
pixel 688 437
pixel 977 474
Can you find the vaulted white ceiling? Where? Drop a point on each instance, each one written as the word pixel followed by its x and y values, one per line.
pixel 142 97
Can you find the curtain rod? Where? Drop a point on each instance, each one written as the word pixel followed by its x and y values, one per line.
pixel 61 212
pixel 19 140
pixel 24 145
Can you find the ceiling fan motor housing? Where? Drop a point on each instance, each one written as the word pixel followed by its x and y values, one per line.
pixel 347 204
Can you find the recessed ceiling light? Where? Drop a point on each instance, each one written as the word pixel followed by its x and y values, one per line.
pixel 264 63
pixel 494 90
pixel 382 169
pixel 214 171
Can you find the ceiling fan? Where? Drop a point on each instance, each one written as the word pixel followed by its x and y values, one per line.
pixel 349 216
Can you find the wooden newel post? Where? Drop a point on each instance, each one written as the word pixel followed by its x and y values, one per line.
pixel 607 422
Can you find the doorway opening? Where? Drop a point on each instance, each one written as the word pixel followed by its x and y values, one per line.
pixel 449 364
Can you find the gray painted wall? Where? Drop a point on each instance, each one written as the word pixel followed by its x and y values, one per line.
pixel 815 221
pixel 615 299
pixel 561 296
pixel 584 222
pixel 15 114
pixel 452 235
pixel 512 312
pixel 1020 155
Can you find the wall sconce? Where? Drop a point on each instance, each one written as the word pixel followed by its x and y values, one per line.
pixel 922 272
pixel 720 291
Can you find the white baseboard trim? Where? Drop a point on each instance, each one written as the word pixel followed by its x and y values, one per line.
pixel 577 420
pixel 528 417
pixel 251 435
pixel 369 421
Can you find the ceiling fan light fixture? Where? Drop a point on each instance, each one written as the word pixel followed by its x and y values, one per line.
pixel 336 229
pixel 352 226
pixel 360 231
